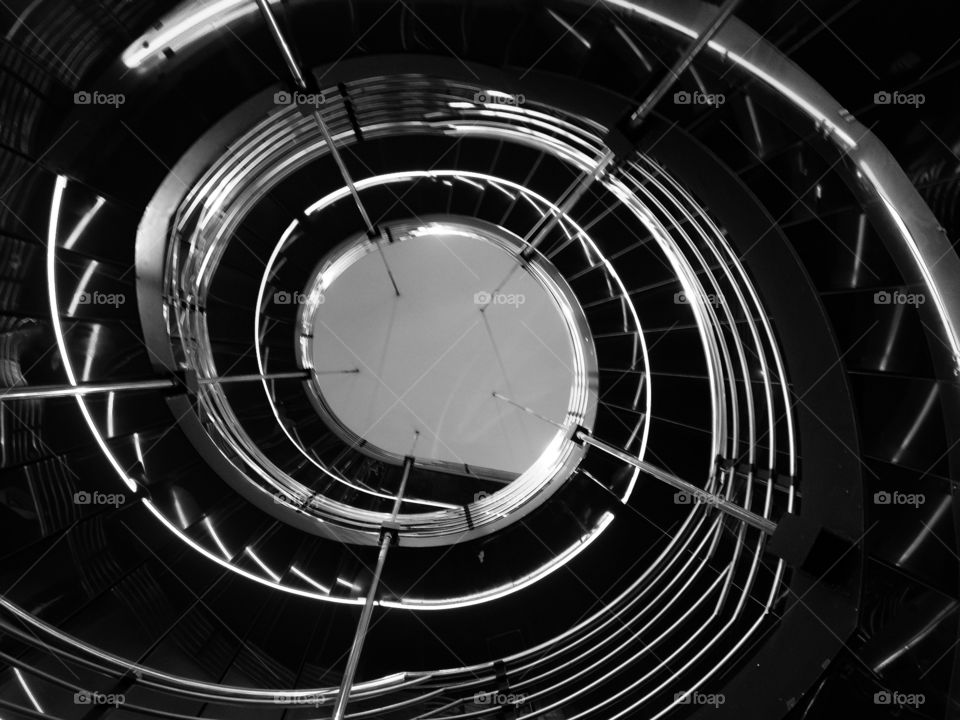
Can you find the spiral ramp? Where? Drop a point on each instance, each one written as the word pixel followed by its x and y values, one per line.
pixel 426 359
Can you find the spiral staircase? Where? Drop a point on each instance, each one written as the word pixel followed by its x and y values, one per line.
pixel 425 359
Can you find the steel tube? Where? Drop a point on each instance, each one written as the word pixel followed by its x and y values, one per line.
pixel 721 503
pixel 343 696
pixel 300 81
pixel 51 391
pixel 682 63
pixel 579 187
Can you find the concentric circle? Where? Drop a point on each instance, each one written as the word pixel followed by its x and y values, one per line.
pixel 476 338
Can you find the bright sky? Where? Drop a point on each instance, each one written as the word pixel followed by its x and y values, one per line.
pixel 432 347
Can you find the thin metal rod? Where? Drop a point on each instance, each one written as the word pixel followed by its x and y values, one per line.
pixel 345 173
pixel 527 410
pixel 407 466
pixel 293 375
pixel 53 391
pixel 281 42
pixel 386 537
pixel 571 197
pixel 301 82
pixel 383 256
pixel 682 63
pixel 721 503
pixel 579 187
pixel 545 224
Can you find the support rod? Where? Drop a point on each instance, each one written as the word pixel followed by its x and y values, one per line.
pixel 386 538
pixel 300 81
pixel 293 375
pixel 682 63
pixel 298 77
pixel 579 187
pixel 721 503
pixel 31 392
pixel 527 410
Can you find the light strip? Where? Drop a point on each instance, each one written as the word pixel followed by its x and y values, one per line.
pixel 229 566
pixel 81 286
pixel 569 28
pixel 91 355
pixel 262 564
pixel 27 690
pixel 347 583
pixel 82 225
pixel 138 449
pixel 58 190
pixel 111 399
pixel 181 516
pixel 303 576
pixel 915 428
pixel 216 538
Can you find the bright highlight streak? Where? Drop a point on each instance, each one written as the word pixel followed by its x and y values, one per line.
pixel 81 286
pixel 569 28
pixel 91 354
pixel 216 538
pixel 306 578
pixel 262 564
pixel 187 27
pixel 27 690
pixel 911 244
pixel 111 398
pixel 181 516
pixel 82 225
pixel 52 230
pixel 138 449
pixel 347 583
pixel 225 564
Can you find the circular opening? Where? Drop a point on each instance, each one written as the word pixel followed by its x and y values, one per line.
pixel 437 341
